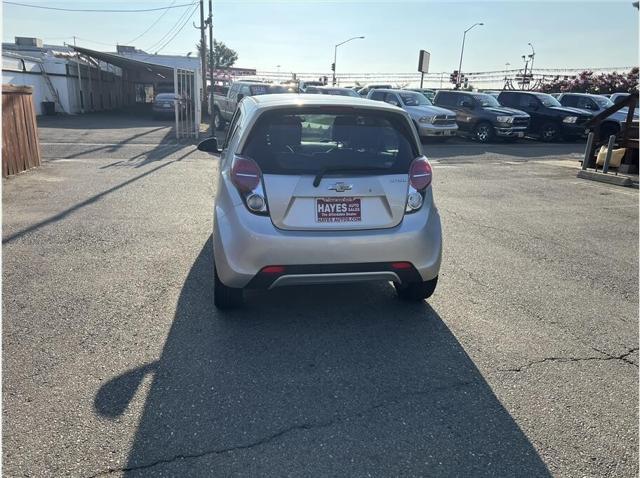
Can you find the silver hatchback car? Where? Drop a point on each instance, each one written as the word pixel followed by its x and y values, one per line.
pixel 318 189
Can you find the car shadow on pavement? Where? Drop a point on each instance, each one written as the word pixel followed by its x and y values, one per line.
pixel 91 199
pixel 315 381
pixel 114 119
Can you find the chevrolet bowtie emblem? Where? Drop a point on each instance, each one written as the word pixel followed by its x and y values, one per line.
pixel 341 187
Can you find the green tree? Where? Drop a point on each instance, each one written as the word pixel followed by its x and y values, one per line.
pixel 223 56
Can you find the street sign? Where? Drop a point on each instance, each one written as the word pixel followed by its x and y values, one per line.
pixel 423 61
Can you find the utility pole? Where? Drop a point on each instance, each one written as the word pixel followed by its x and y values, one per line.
pixel 210 23
pixel 203 56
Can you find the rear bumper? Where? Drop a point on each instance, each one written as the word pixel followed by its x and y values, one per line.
pixel 244 244
pixel 163 111
pixel 333 274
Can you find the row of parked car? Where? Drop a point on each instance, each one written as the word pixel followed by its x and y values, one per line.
pixel 444 114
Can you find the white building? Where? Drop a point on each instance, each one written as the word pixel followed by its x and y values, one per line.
pixel 52 71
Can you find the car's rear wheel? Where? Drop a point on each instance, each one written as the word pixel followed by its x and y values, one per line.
pixel 225 297
pixel 416 291
pixel 218 122
pixel 483 132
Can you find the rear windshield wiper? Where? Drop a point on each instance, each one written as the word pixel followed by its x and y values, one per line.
pixel 318 178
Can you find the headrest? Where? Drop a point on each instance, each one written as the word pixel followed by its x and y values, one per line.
pixel 343 128
pixel 287 131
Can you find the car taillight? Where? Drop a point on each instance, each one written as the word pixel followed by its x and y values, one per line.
pixel 247 178
pixel 245 174
pixel 420 174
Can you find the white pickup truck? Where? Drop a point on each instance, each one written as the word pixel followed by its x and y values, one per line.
pixel 225 105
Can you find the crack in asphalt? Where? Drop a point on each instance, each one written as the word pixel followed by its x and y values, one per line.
pixel 622 357
pixel 284 431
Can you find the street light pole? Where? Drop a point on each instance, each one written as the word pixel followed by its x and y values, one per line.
pixel 532 56
pixel 464 36
pixel 506 74
pixel 335 56
pixel 526 64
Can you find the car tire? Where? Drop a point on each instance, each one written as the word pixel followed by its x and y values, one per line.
pixel 416 291
pixel 218 122
pixel 549 132
pixel 225 297
pixel 483 132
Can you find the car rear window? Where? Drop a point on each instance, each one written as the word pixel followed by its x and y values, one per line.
pixel 165 96
pixel 267 89
pixel 317 139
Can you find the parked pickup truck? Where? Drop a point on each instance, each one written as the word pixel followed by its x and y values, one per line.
pixel 481 116
pixel 430 121
pixel 224 106
pixel 549 119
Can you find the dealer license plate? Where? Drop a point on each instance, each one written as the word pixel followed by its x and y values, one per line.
pixel 338 210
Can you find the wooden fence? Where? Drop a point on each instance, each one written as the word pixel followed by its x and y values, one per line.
pixel 20 146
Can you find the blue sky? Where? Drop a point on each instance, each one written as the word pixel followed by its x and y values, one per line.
pixel 300 35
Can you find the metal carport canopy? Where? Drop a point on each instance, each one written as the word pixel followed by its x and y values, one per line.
pixel 151 72
pixel 162 71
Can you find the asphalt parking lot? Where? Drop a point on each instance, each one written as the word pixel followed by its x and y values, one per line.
pixel 115 363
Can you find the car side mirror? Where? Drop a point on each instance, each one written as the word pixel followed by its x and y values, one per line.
pixel 239 97
pixel 467 104
pixel 393 102
pixel 210 145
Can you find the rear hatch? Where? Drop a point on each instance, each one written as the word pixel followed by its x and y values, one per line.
pixel 333 168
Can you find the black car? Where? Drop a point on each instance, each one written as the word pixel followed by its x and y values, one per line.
pixel 596 104
pixel 549 119
pixel 481 116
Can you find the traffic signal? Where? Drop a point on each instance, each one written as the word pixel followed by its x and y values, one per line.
pixel 466 82
pixel 453 78
pixel 333 67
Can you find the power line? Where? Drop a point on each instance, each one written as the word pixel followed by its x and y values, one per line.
pixel 152 25
pixel 171 30
pixel 179 30
pixel 136 10
pixel 93 41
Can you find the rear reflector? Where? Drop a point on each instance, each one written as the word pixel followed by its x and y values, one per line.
pixel 401 265
pixel 272 270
